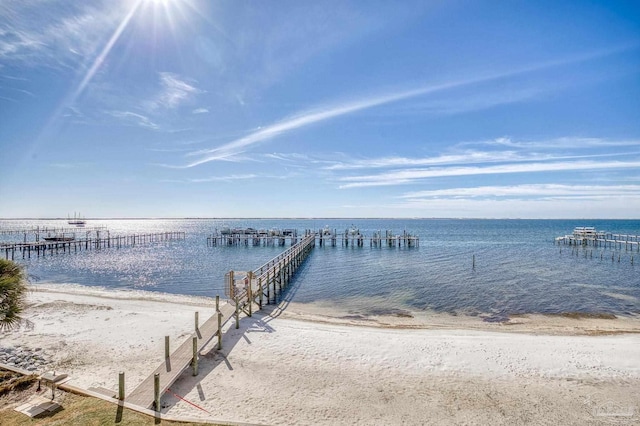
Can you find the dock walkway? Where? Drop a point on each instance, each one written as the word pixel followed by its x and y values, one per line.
pixel 173 366
pixel 244 290
pixel 65 243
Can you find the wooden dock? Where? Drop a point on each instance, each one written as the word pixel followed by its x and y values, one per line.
pixel 350 237
pixel 178 361
pixel 588 236
pixel 38 230
pixel 69 244
pixel 251 236
pixel 353 237
pixel 244 291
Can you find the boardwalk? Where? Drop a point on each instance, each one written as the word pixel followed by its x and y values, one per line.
pixel 244 290
pixel 170 369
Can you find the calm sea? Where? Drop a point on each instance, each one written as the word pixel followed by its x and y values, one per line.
pixel 518 269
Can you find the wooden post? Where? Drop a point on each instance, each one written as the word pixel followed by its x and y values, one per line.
pixel 156 391
pixel 219 330
pixel 268 288
pixel 166 347
pixel 231 290
pixel 474 261
pixel 237 314
pixel 196 321
pixel 121 386
pixel 217 303
pixel 195 356
pixel 261 294
pixel 250 293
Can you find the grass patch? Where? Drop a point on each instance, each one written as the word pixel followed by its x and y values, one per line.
pixel 76 410
pixel 10 382
pixel 79 410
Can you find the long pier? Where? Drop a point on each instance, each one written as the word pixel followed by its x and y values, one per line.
pixel 353 237
pixel 244 290
pixel 36 231
pixel 350 237
pixel 254 237
pixel 69 244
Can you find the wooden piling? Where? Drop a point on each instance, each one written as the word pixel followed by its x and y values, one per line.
pixel 237 312
pixel 250 292
pixel 121 386
pixel 219 330
pixel 195 356
pixel 156 391
pixel 166 347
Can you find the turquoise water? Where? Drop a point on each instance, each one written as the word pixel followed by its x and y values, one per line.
pixel 518 269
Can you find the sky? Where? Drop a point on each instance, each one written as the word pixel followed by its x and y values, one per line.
pixel 245 108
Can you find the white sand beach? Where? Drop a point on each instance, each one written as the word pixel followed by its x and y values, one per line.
pixel 298 366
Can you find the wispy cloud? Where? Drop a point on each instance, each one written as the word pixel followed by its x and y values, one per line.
pixel 321 114
pixel 412 175
pixel 200 111
pixel 174 92
pixel 556 143
pixel 459 103
pixel 134 118
pixel 229 178
pixel 33 36
pixel 232 178
pixel 529 190
pixel 469 157
pixel 153 112
pixel 70 165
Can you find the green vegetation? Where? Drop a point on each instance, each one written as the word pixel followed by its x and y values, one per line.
pixel 13 290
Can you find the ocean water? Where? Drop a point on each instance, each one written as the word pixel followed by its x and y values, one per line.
pixel 518 269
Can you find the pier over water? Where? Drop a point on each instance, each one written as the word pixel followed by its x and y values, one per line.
pixel 247 291
pixel 333 237
pixel 589 236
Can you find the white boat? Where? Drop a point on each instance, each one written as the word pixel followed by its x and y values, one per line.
pixel 585 231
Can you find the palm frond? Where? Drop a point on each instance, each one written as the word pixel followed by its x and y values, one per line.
pixel 13 292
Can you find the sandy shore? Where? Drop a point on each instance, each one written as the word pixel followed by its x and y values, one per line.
pixel 297 366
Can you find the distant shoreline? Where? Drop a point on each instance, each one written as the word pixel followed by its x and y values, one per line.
pixel 321 218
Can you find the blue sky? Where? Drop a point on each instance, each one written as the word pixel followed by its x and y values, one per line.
pixel 174 108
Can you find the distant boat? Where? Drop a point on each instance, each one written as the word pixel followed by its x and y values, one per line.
pixel 60 238
pixel 77 221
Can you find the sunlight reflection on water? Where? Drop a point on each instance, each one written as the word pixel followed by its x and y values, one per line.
pixel 518 268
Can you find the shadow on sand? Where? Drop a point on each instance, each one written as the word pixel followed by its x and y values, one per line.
pixel 211 358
